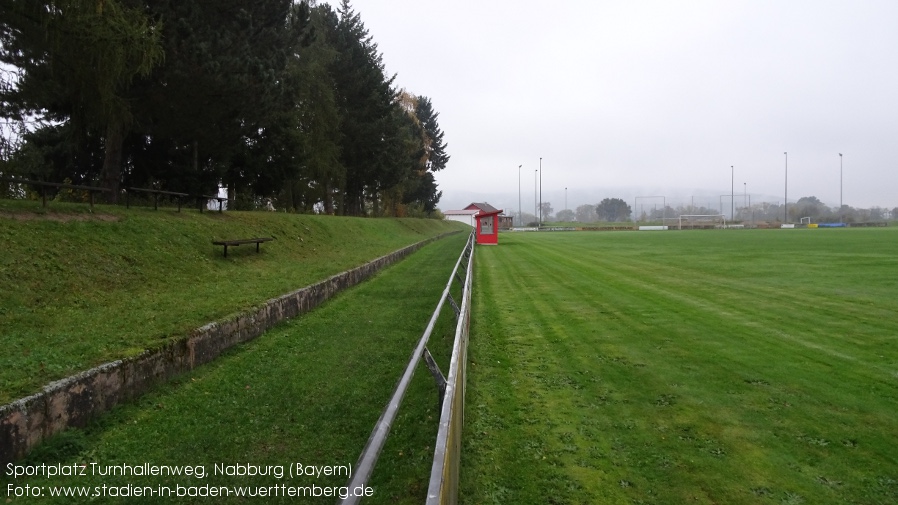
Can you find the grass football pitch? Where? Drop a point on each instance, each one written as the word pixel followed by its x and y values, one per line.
pixel 740 366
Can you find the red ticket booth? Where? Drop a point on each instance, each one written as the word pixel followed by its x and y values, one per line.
pixel 488 227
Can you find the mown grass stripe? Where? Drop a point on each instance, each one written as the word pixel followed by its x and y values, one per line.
pixel 684 367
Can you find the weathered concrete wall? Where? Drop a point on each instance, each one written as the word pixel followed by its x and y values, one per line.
pixel 75 400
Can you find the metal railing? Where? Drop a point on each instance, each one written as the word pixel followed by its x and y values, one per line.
pixel 449 436
pixel 443 487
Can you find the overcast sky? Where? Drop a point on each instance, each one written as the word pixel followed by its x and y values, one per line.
pixel 623 98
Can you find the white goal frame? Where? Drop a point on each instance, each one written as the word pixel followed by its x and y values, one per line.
pixel 719 220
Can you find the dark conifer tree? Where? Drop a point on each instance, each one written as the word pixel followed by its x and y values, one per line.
pixel 222 84
pixel 271 98
pixel 77 60
pixel 437 158
pixel 365 101
pixel 316 119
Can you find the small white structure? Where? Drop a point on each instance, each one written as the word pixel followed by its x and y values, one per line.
pixel 462 216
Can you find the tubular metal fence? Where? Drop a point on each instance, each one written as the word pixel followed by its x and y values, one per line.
pixel 443 487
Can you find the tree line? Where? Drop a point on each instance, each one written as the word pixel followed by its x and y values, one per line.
pixel 279 101
pixel 617 210
pixel 806 207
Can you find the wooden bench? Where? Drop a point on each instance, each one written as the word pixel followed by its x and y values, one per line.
pixel 226 243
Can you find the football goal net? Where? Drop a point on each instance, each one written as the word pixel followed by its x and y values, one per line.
pixel 701 221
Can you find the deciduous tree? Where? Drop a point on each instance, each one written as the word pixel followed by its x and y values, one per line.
pixel 586 213
pixel 565 216
pixel 613 210
pixel 545 209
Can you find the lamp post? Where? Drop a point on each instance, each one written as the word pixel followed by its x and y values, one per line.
pixel 732 193
pixel 840 188
pixel 534 194
pixel 565 198
pixel 540 222
pixel 520 209
pixel 786 196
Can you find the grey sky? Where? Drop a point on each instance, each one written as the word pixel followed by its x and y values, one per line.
pixel 653 97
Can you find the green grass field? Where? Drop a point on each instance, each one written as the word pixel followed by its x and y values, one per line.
pixel 81 288
pixel 749 366
pixel 308 391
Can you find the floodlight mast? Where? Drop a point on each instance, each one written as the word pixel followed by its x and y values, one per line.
pixel 540 222
pixel 520 209
pixel 786 196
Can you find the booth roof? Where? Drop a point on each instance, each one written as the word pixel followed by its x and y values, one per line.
pixel 485 207
pixel 464 212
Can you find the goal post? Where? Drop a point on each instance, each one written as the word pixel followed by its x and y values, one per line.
pixel 701 221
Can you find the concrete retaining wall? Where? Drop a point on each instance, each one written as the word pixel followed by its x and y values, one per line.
pixel 77 399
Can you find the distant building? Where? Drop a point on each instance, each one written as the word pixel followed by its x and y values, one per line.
pixel 467 214
pixel 462 216
pixel 485 207
pixel 483 217
pixel 506 222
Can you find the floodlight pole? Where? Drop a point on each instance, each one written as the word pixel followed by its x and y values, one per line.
pixel 732 193
pixel 540 222
pixel 520 209
pixel 840 188
pixel 786 196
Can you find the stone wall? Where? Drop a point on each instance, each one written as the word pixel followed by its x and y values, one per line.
pixel 75 400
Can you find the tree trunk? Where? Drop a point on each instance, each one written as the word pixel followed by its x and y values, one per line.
pixel 112 162
pixel 196 157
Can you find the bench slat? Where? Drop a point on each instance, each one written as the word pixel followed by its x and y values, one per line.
pixel 226 243
pixel 242 241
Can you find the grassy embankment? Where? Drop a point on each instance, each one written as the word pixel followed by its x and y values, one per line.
pixel 746 366
pixel 308 392
pixel 80 288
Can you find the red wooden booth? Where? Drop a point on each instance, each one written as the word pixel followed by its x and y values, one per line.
pixel 488 227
